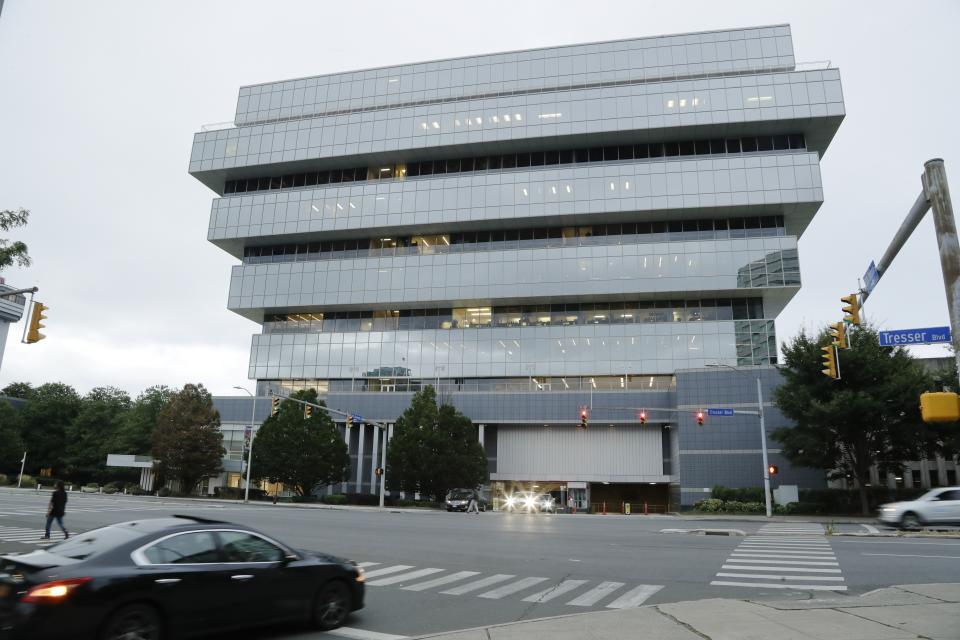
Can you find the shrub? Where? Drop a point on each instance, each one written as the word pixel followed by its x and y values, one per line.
pixel 742 494
pixel 110 490
pixel 163 492
pixel 338 498
pixel 4 480
pixel 26 481
pixel 709 505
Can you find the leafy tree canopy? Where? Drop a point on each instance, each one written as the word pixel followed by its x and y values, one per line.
pixel 869 417
pixel 134 433
pixel 21 390
pixel 11 443
pixel 92 433
pixel 434 449
pixel 13 251
pixel 187 442
pixel 300 452
pixel 52 407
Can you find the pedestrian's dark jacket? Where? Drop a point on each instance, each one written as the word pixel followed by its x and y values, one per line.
pixel 58 503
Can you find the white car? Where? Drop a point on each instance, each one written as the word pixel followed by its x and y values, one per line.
pixel 938 506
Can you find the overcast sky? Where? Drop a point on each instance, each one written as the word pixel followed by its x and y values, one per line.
pixel 99 100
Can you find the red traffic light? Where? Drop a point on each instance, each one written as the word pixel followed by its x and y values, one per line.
pixel 700 418
pixel 772 470
pixel 583 417
pixel 643 417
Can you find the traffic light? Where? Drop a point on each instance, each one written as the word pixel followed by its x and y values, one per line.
pixel 275 406
pixel 772 470
pixel 852 310
pixel 584 415
pixel 699 418
pixel 349 420
pixel 307 411
pixel 829 356
pixel 940 406
pixel 838 333
pixel 36 318
pixel 643 417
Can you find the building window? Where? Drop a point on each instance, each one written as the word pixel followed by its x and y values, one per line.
pixel 915 478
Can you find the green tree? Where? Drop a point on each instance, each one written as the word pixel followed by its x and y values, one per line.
pixel 434 449
pixel 50 410
pixel 13 251
pixel 21 390
pixel 11 442
pixel 91 435
pixel 187 442
pixel 297 451
pixel 870 416
pixel 135 432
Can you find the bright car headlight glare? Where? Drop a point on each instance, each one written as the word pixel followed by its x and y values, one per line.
pixel 530 503
pixel 511 501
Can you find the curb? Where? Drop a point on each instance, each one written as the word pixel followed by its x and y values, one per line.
pixel 707 532
pixel 948 535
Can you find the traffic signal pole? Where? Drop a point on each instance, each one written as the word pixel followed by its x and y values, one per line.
pixel 935 195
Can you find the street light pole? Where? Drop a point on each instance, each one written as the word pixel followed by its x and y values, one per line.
pixel 23 461
pixel 253 417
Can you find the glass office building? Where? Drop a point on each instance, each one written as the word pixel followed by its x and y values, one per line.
pixel 534 232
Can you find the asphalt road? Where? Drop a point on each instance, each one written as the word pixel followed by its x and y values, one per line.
pixel 436 571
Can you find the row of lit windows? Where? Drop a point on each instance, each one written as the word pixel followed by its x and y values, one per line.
pixel 518 316
pixel 747 144
pixel 672 230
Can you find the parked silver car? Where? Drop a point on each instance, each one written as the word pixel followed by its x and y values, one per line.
pixel 937 506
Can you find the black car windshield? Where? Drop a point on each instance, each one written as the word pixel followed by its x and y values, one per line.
pixel 95 542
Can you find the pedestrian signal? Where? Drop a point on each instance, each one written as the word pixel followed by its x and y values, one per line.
pixel 699 418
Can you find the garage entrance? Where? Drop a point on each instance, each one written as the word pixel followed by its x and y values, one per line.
pixel 642 497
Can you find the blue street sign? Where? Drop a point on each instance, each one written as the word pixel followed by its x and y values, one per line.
pixel 871 277
pixel 931 335
pixel 726 413
pixel 356 418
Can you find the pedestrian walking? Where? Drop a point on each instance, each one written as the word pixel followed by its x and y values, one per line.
pixel 57 509
pixel 473 505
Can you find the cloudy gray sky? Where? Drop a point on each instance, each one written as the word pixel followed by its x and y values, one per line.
pixel 99 100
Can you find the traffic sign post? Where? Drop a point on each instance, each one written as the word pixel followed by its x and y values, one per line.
pixel 902 337
pixel 871 277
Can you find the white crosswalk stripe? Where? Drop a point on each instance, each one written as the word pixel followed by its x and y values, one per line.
pixel 635 597
pixel 439 582
pixel 501 586
pixel 476 585
pixel 783 556
pixel 555 591
pixel 30 536
pixel 403 577
pixel 513 587
pixel 596 594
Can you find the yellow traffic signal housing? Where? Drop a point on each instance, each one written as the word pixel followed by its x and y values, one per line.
pixel 852 310
pixel 830 368
pixel 838 332
pixel 36 323
pixel 307 411
pixel 350 420
pixel 940 407
pixel 275 406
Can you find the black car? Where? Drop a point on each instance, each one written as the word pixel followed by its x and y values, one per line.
pixel 170 577
pixel 459 500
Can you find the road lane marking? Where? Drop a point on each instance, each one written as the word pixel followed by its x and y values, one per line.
pixel 802 587
pixel 803 562
pixel 753 549
pixel 785 540
pixel 758 568
pixel 589 598
pixel 436 582
pixel 364 565
pixel 779 556
pixel 870 528
pixel 766 543
pixel 777 577
pixel 363 634
pixel 905 555
pixel 635 597
pixel 403 577
pixel 387 570
pixel 476 585
pixel 555 591
pixel 513 587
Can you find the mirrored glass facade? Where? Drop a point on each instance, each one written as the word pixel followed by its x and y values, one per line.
pixel 505 227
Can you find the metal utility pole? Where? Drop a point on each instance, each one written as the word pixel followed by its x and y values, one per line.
pixel 938 195
pixel 763 446
pixel 253 418
pixel 23 461
pixel 383 465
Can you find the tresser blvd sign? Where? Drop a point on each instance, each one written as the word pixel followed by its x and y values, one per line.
pixel 931 335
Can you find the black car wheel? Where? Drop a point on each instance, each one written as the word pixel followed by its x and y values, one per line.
pixel 332 606
pixel 133 622
pixel 910 521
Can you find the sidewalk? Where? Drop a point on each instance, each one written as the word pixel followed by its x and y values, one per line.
pixel 903 612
